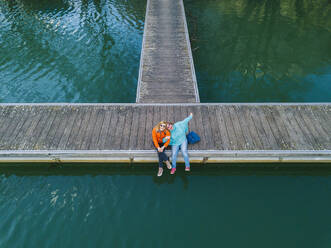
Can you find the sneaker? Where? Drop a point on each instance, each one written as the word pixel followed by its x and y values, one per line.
pixel 160 172
pixel 173 170
pixel 168 164
pixel 187 169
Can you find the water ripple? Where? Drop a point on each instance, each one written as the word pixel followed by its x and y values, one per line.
pixel 70 51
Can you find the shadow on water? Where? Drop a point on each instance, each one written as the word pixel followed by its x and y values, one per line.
pixel 48 169
pixel 210 170
pixel 262 50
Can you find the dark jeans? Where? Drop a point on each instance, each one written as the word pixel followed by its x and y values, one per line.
pixel 162 156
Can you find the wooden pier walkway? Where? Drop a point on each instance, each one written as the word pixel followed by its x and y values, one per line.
pixel 122 132
pixel 167 90
pixel 166 73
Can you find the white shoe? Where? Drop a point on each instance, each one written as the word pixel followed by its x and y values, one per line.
pixel 160 172
pixel 168 164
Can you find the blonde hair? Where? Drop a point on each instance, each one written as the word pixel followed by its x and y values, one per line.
pixel 159 124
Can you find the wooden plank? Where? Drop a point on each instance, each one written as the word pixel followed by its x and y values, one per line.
pixel 277 126
pixel 72 115
pixel 260 128
pixel 230 129
pixel 200 129
pixel 8 117
pixel 5 119
pixel 96 132
pixel 318 124
pixel 300 125
pixel 309 131
pixel 243 123
pixel 30 144
pixel 20 135
pixel 269 134
pixel 272 127
pixel 90 125
pixel 26 138
pixel 81 132
pixel 119 130
pixel 105 128
pixel 141 128
pixel 293 129
pixel 64 119
pixel 14 128
pixel 315 128
pixel 127 129
pixel 111 136
pixel 133 139
pixel 149 127
pixel 321 117
pixel 268 131
pixel 207 128
pixel 171 114
pixel 182 113
pixel 72 143
pixel 241 141
pixel 247 119
pixel 217 137
pixel 42 141
pixel 155 118
pixel 220 121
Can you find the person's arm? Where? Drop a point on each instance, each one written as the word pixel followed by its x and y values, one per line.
pixel 156 144
pixel 185 121
pixel 167 143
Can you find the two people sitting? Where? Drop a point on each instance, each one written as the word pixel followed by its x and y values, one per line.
pixel 173 134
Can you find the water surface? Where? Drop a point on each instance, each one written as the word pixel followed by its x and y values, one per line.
pixel 131 207
pixel 70 50
pixel 261 50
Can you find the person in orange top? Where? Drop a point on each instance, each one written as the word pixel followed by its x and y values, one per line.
pixel 159 132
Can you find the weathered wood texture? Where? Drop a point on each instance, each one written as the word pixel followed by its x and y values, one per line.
pixel 128 127
pixel 166 68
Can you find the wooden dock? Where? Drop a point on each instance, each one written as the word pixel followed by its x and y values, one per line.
pixel 167 90
pixel 122 132
pixel 166 73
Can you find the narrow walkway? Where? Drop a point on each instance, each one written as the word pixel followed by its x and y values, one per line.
pixel 122 132
pixel 166 73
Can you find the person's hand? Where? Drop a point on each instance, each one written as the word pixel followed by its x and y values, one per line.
pixel 191 114
pixel 162 148
pixel 159 149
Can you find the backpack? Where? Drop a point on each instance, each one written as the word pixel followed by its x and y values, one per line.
pixel 192 137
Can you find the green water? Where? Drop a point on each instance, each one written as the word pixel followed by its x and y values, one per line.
pixel 70 50
pixel 261 50
pixel 88 51
pixel 131 207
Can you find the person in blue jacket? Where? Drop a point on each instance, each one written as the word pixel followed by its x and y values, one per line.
pixel 178 140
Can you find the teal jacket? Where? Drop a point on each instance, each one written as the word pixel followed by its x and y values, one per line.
pixel 178 134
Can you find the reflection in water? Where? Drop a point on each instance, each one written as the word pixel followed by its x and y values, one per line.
pixel 261 50
pixel 98 206
pixel 70 51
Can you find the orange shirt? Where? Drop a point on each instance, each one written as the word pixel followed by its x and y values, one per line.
pixel 158 136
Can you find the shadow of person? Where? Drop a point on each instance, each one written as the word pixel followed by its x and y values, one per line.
pixel 170 179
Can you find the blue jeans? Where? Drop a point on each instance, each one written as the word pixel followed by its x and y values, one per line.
pixel 175 149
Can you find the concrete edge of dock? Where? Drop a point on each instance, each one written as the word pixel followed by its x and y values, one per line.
pixel 149 156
